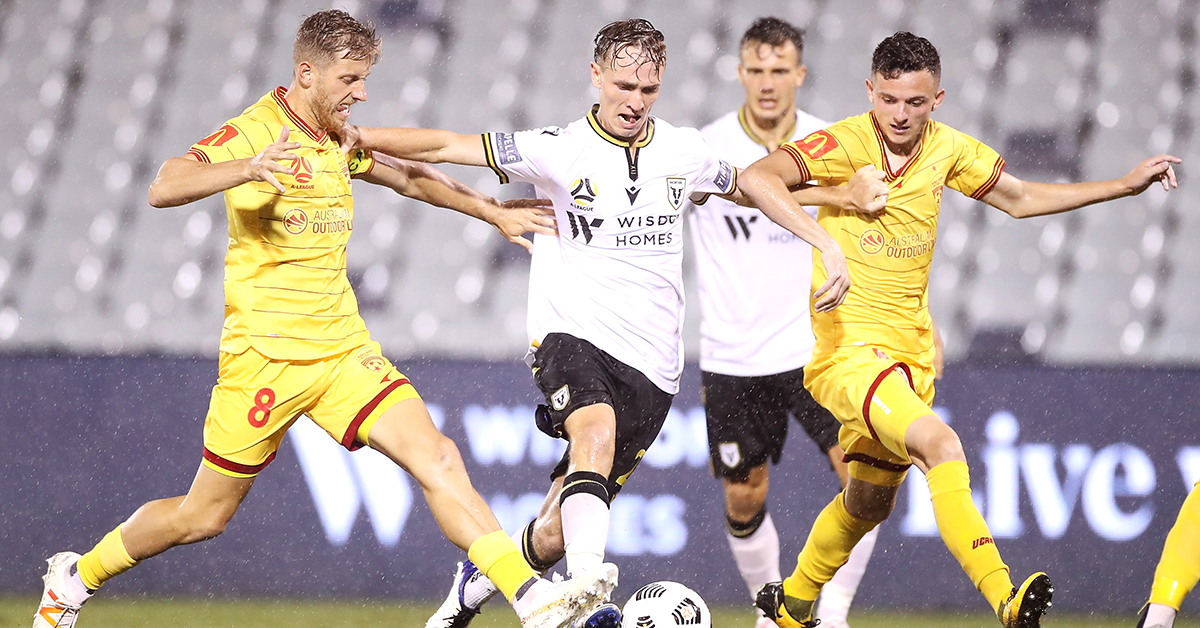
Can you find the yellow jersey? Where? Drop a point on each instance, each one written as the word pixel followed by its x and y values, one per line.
pixel 286 291
pixel 888 255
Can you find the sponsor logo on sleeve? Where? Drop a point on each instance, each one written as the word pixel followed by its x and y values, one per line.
pixel 506 149
pixel 675 189
pixel 724 177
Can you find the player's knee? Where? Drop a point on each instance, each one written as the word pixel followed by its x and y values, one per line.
pixel 595 438
pixel 931 442
pixel 745 495
pixel 195 528
pixel 445 459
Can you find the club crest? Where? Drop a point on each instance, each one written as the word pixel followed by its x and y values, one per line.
pixel 561 398
pixel 731 454
pixel 675 189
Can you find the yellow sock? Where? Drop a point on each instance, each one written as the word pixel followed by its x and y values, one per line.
pixel 965 533
pixel 108 559
pixel 1179 568
pixel 833 535
pixel 499 559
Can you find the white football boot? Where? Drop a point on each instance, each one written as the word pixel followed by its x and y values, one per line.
pixel 566 602
pixel 56 611
pixel 458 610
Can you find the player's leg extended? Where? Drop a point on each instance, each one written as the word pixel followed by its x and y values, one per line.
pixel 154 528
pixel 1179 568
pixel 936 450
pixel 749 528
pixel 406 434
pixel 838 594
pixel 584 499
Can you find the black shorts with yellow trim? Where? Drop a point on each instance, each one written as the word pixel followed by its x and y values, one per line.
pixel 572 373
pixel 257 399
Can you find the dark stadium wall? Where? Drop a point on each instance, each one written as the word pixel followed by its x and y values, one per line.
pixel 1080 473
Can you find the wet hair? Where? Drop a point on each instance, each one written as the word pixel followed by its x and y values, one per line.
pixel 618 37
pixel 325 37
pixel 773 32
pixel 903 53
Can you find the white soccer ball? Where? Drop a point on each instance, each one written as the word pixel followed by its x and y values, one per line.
pixel 666 605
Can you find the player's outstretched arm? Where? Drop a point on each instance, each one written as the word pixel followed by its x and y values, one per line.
pixel 428 184
pixel 182 180
pixel 766 184
pixel 427 145
pixel 1022 199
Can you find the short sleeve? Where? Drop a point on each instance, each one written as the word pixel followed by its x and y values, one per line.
pixel 525 155
pixel 360 162
pixel 231 141
pixel 821 157
pixel 716 176
pixel 977 167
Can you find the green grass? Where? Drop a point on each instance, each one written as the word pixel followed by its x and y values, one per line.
pixel 274 613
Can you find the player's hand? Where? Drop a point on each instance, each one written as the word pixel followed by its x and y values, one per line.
pixel 262 166
pixel 1154 169
pixel 833 291
pixel 523 215
pixel 348 138
pixel 868 193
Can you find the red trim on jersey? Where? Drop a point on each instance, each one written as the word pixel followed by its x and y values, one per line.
pixel 887 165
pixel 230 465
pixel 866 408
pixel 199 155
pixel 790 149
pixel 280 96
pixel 997 170
pixel 348 439
pixel 875 462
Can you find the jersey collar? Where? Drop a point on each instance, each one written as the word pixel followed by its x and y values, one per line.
pixel 887 166
pixel 612 139
pixel 279 95
pixel 749 131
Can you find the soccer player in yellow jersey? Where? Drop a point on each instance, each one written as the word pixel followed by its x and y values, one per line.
pixel 1178 569
pixel 873 362
pixel 293 341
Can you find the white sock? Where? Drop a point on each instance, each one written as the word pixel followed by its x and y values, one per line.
pixel 74 592
pixel 524 602
pixel 585 532
pixel 757 555
pixel 838 593
pixel 477 590
pixel 1160 616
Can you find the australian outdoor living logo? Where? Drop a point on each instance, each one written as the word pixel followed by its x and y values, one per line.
pixel 295 221
pixel 905 246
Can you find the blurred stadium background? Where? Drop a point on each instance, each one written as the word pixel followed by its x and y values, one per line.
pixel 94 282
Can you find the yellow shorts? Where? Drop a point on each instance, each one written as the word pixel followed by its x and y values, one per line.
pixel 875 398
pixel 257 399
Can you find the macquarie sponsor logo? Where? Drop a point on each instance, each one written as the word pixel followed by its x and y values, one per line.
pixel 1111 486
pixel 295 221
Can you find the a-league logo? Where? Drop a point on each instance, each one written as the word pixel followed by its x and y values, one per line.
pixel 583 192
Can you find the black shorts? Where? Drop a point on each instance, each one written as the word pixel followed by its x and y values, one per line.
pixel 573 373
pixel 748 419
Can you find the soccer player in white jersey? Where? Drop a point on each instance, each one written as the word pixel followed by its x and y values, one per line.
pixel 606 294
pixel 755 332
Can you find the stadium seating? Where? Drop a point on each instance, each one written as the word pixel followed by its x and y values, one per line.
pixel 104 92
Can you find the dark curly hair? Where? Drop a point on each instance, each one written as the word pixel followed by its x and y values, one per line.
pixel 617 37
pixel 903 53
pixel 331 35
pixel 774 32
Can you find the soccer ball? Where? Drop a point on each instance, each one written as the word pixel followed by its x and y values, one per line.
pixel 666 605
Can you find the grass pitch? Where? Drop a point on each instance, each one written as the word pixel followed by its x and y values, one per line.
pixel 136 612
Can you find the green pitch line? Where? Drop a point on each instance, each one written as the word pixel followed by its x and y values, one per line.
pixel 126 612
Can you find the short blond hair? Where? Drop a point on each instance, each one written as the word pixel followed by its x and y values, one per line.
pixel 330 35
pixel 617 37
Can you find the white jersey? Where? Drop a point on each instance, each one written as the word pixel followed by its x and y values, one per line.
pixel 754 275
pixel 614 274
